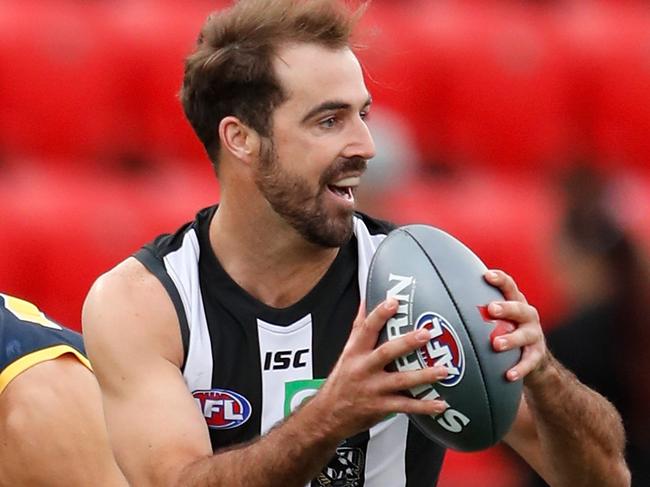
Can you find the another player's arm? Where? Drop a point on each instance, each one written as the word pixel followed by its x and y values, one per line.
pixel 160 437
pixel 567 432
pixel 52 429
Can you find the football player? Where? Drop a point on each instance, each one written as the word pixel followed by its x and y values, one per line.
pixel 208 341
pixel 52 429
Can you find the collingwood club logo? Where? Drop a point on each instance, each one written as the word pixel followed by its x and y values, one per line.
pixel 344 470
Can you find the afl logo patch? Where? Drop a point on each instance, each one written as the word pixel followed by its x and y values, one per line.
pixel 443 348
pixel 223 409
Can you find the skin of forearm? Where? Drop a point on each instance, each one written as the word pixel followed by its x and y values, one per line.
pixel 580 432
pixel 291 454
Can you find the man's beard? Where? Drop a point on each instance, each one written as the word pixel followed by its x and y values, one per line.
pixel 290 197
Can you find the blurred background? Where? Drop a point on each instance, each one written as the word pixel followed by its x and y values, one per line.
pixel 521 127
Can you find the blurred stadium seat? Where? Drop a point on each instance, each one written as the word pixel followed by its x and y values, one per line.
pixel 57 84
pixel 507 98
pixel 508 220
pixel 68 228
pixel 621 103
pixel 155 38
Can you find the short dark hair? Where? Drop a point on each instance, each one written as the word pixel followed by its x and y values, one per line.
pixel 231 70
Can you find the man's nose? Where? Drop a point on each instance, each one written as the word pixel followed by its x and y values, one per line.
pixel 360 143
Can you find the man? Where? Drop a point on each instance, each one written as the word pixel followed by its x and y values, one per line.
pixel 52 429
pixel 239 317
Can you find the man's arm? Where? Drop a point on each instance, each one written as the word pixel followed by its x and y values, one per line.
pixel 160 437
pixel 52 429
pixel 570 434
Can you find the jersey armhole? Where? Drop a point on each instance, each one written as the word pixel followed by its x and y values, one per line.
pixel 147 258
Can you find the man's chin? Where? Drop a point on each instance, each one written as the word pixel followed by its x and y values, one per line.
pixel 331 234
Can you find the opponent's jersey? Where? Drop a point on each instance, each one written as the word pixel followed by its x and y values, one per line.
pixel 248 365
pixel 28 337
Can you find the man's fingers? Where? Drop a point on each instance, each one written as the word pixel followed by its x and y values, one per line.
pixel 514 311
pixel 402 381
pixel 407 405
pixel 526 333
pixel 522 337
pixel 506 284
pixel 365 329
pixel 530 358
pixel 389 351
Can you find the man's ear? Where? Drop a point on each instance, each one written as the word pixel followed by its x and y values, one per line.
pixel 239 139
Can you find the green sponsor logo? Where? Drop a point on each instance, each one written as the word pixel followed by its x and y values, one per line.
pixel 298 391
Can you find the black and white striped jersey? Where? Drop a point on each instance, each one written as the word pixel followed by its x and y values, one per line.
pixel 248 365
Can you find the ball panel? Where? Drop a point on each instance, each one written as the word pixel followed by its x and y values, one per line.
pixel 462 272
pixel 439 285
pixel 403 271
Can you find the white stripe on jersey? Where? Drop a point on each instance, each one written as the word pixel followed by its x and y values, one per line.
pixel 385 456
pixel 385 461
pixel 367 245
pixel 182 266
pixel 285 356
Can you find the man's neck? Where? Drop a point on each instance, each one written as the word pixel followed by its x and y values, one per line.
pixel 266 257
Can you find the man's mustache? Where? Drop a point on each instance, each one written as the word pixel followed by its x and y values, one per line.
pixel 342 166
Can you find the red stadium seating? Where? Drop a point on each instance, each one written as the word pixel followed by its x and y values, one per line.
pixel 507 101
pixel 621 101
pixel 56 84
pixel 155 39
pixel 66 229
pixel 508 220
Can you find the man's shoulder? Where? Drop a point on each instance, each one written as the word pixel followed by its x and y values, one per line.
pixel 129 278
pixel 127 307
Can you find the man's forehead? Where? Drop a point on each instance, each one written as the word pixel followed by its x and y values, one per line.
pixel 310 73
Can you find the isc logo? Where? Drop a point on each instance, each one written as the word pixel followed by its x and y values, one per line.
pixel 444 348
pixel 283 359
pixel 223 409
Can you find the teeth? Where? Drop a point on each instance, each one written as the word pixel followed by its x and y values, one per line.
pixel 351 181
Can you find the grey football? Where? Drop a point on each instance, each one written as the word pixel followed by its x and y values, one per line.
pixel 439 285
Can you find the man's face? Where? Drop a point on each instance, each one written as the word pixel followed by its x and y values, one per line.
pixel 309 169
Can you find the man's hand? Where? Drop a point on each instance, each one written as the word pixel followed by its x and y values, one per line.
pixel 360 392
pixel 568 433
pixel 522 327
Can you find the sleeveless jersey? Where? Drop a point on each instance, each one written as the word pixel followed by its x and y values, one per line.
pixel 28 337
pixel 248 365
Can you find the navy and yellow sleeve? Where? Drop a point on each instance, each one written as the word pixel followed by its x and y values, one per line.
pixel 28 337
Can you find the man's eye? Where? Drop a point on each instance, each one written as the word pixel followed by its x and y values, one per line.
pixel 328 122
pixel 364 115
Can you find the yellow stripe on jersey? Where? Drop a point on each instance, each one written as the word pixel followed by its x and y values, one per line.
pixel 34 358
pixel 26 311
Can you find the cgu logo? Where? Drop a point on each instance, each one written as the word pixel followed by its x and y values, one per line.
pixel 223 409
pixel 444 348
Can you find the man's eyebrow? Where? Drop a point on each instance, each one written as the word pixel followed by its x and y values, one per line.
pixel 331 105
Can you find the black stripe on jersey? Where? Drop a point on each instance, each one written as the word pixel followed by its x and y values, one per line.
pixel 423 459
pixel 147 257
pixel 232 327
pixel 334 313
